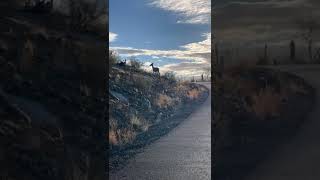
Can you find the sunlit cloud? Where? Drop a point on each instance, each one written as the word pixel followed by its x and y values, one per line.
pixel 194 56
pixel 197 51
pixel 112 36
pixel 190 11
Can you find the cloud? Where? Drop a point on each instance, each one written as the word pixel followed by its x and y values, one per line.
pixel 112 36
pixel 191 11
pixel 197 51
pixel 194 56
pixel 185 69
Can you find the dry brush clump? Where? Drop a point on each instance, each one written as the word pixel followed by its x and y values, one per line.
pixel 193 94
pixel 266 103
pixel 113 139
pixel 139 123
pixel 164 101
pixel 140 100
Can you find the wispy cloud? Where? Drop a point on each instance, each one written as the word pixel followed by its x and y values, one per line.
pixel 191 11
pixel 186 69
pixel 112 36
pixel 197 51
pixel 194 56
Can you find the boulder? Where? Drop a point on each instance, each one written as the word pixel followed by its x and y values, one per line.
pixel 119 97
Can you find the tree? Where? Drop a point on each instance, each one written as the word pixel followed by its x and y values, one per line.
pixel 308 26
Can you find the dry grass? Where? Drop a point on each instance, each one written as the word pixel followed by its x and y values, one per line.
pixel 182 87
pixel 267 102
pixel 164 101
pixel 193 94
pixel 142 82
pixel 120 136
pixel 113 137
pixel 140 123
pixel 126 135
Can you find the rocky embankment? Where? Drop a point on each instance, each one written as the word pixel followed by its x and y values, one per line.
pixel 256 110
pixel 143 107
pixel 51 100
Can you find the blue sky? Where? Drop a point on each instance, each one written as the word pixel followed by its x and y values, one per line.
pixel 174 35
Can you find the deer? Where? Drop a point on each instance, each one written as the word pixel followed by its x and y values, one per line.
pixel 123 63
pixel 154 69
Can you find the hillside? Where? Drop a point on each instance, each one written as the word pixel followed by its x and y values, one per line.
pixel 257 109
pixel 143 107
pixel 52 90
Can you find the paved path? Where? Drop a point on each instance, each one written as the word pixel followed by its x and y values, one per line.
pixel 298 159
pixel 183 154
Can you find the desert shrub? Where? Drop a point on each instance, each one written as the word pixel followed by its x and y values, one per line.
pixel 112 132
pixel 266 103
pixel 113 137
pixel 82 14
pixel 135 64
pixel 193 94
pixel 126 135
pixel 139 123
pixel 181 88
pixel 170 75
pixel 164 101
pixel 113 58
pixel 142 82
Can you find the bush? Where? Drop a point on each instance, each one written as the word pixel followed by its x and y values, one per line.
pixel 164 101
pixel 266 103
pixel 142 82
pixel 113 58
pixel 171 76
pixel 193 94
pixel 139 123
pixel 135 64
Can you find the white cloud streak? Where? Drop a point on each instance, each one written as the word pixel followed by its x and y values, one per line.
pixel 199 53
pixel 191 11
pixel 112 36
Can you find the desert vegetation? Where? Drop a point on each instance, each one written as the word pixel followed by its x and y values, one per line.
pixel 52 95
pixel 143 105
pixel 256 108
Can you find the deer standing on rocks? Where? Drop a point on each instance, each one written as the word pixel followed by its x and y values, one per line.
pixel 155 69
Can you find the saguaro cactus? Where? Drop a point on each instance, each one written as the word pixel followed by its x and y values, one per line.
pixel 265 58
pixel 292 51
pixel 221 66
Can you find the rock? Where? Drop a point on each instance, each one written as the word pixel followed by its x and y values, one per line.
pixel 3 46
pixel 119 97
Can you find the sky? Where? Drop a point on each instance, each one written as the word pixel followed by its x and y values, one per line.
pixel 243 27
pixel 174 35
